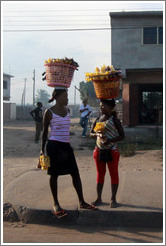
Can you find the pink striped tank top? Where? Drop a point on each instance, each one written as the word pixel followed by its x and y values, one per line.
pixel 60 127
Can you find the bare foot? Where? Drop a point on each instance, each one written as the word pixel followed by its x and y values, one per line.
pixel 57 208
pixel 58 211
pixel 113 204
pixel 97 202
pixel 85 205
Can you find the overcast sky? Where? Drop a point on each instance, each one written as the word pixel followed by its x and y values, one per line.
pixel 27 49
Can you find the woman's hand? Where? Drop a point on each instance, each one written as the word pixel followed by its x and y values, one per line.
pixel 41 152
pixel 38 164
pixel 102 137
pixel 93 134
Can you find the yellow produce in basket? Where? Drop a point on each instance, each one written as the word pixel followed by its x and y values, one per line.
pixel 99 126
pixel 104 73
pixel 106 81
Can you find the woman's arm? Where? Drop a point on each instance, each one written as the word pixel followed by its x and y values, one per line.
pixel 119 127
pixel 120 130
pixel 46 122
pixel 92 133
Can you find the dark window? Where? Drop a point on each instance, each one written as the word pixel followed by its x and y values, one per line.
pixel 151 104
pixel 4 84
pixel 161 35
pixel 150 35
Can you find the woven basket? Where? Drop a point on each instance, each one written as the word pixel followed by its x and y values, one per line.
pixel 59 74
pixel 107 88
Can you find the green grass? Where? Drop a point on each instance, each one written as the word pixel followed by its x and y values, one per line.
pixel 90 143
pixel 128 147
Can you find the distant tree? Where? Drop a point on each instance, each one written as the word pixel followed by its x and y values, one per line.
pixel 88 92
pixel 43 97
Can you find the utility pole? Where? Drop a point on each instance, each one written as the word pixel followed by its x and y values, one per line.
pixel 74 108
pixel 74 96
pixel 24 94
pixel 25 90
pixel 33 87
pixel 22 106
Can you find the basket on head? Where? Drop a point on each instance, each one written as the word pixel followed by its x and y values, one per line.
pixel 106 81
pixel 106 89
pixel 59 74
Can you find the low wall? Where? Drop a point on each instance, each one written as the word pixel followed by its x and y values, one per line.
pixel 9 111
pixel 144 132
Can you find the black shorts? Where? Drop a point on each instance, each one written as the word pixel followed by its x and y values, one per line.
pixel 62 159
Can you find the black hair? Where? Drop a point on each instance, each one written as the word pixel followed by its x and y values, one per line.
pixel 39 104
pixel 56 93
pixel 110 103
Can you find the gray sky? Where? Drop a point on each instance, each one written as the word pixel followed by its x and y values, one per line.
pixel 25 51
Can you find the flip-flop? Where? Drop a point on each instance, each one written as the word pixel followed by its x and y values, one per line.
pixel 97 203
pixel 113 205
pixel 90 207
pixel 59 214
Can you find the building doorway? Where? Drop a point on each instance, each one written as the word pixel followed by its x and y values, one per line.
pixel 151 104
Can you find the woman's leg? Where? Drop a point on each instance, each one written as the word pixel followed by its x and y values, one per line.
pixel 101 170
pixel 78 186
pixel 54 190
pixel 99 189
pixel 114 188
pixel 113 170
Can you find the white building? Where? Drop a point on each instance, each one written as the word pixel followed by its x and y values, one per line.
pixel 9 109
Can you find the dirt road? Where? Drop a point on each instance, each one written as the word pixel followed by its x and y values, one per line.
pixel 20 156
pixel 30 233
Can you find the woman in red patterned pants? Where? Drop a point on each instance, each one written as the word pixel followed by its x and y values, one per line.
pixel 106 151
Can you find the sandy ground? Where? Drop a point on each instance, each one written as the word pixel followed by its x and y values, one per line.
pixel 26 233
pixel 21 154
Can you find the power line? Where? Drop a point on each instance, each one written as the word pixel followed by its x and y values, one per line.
pixel 60 15
pixel 36 16
pixel 51 20
pixel 66 24
pixel 77 29
pixel 76 10
pixel 59 30
pixel 76 24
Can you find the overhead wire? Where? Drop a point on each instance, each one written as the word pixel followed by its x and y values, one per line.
pixel 60 30
pixel 68 24
pixel 51 20
pixel 30 16
pixel 55 23
pixel 55 16
pixel 62 15
pixel 71 29
pixel 76 29
pixel 76 10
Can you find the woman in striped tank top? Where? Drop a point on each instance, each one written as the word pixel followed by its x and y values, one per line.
pixel 106 151
pixel 62 159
